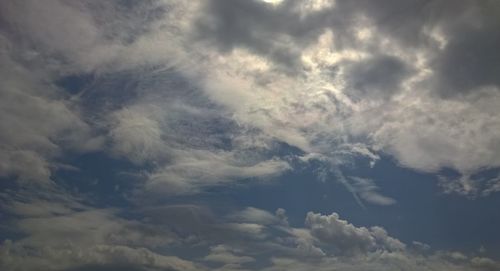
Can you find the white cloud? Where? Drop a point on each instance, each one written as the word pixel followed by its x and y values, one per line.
pixel 345 237
pixel 254 215
pixel 136 135
pixel 366 189
pixel 195 169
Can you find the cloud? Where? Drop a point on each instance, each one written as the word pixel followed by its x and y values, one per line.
pixel 264 29
pixel 203 169
pixel 60 233
pixel 99 256
pixel 225 255
pixel 38 123
pixel 349 86
pixel 254 215
pixel 428 136
pixel 366 189
pixel 66 238
pixel 219 93
pixel 470 42
pixel 377 77
pixel 136 135
pixel 345 237
pixel 348 239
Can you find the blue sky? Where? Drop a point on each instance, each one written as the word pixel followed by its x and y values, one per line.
pixel 249 135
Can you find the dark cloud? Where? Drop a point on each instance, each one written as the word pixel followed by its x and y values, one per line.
pixel 262 28
pixel 275 32
pixel 125 20
pixel 403 20
pixel 470 59
pixel 376 77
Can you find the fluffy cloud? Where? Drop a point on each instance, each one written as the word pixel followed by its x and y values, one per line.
pixel 348 239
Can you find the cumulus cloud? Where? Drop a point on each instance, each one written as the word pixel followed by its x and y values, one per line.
pixel 347 238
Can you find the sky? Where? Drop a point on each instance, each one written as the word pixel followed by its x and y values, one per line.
pixel 249 135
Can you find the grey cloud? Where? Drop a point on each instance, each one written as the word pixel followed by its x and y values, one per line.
pixel 67 38
pixel 108 267
pixel 280 32
pixel 281 215
pixel 484 263
pixel 60 234
pixel 385 241
pixel 466 62
pixel 185 219
pixel 469 60
pixel 376 77
pixel 100 256
pixel 275 32
pixel 402 20
pixel 226 255
pixel 38 123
